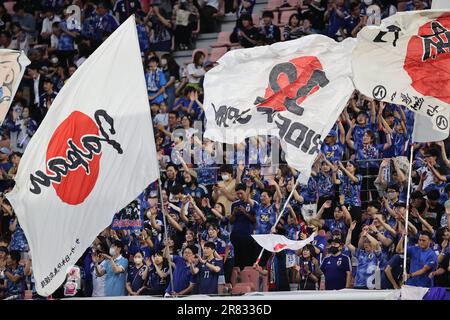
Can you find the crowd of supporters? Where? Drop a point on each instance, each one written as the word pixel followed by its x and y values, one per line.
pixel 214 197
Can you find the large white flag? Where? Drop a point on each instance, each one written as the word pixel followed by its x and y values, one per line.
pixel 423 125
pixel 407 61
pixel 294 90
pixel 12 68
pixel 277 242
pixel 93 153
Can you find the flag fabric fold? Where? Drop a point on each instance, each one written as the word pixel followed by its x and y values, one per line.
pixel 93 153
pixel 277 242
pixel 12 68
pixel 294 90
pixel 406 61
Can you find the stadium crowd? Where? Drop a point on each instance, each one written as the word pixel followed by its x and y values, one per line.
pixel 213 201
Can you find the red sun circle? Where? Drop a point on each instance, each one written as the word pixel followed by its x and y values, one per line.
pixel 432 76
pixel 77 185
pixel 305 66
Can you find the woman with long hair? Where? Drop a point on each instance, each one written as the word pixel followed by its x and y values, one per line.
pixel 308 269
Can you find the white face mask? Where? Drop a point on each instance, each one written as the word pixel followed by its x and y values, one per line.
pixel 54 60
pixel 225 177
pixel 163 62
pixel 368 2
pixel 112 252
pixel 137 261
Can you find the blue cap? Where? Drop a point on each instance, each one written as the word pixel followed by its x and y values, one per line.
pixel 332 133
pixel 5 150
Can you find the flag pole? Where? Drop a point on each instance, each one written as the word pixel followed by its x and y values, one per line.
pixel 408 196
pixel 163 210
pixel 281 213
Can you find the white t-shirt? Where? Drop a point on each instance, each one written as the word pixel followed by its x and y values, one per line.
pixel 161 118
pixel 98 283
pixel 47 24
pixel 192 70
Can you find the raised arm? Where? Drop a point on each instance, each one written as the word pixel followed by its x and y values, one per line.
pixel 348 139
pixel 348 240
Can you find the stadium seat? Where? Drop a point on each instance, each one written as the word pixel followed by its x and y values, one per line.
pixel 234 276
pixel 284 17
pixel 222 40
pixel 9 6
pixel 273 5
pixel 250 276
pixel 292 4
pixel 216 53
pixel 241 288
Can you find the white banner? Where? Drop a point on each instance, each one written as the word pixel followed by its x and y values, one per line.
pixel 294 90
pixel 422 125
pixel 406 61
pixel 12 68
pixel 277 242
pixel 93 154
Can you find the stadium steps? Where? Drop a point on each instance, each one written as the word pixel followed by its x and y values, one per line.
pixel 206 39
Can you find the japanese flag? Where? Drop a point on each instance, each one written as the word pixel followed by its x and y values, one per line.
pixel 406 61
pixel 92 155
pixel 277 242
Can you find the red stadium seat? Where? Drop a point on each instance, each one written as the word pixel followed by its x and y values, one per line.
pixel 216 53
pixel 274 4
pixel 222 40
pixel 241 288
pixel 284 18
pixel 234 276
pixel 9 7
pixel 251 276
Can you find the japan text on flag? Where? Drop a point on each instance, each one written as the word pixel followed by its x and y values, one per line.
pixel 407 61
pixel 12 68
pixel 294 90
pixel 93 154
pixel 277 242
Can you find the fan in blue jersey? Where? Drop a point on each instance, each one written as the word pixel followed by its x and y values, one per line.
pixel 156 81
pixel 266 215
pixel 208 270
pixel 336 268
pixel 320 240
pixel 183 282
pixel 332 148
pixel 324 180
pixel 361 125
pixel 158 276
pixel 137 274
pixel 309 193
pixel 368 254
pixel 243 219
pixel 440 183
pixel 297 199
pixel 308 269
pixel 367 152
pixel 349 182
pixel 341 221
pixel 192 187
pixel 423 261
pixel 391 278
